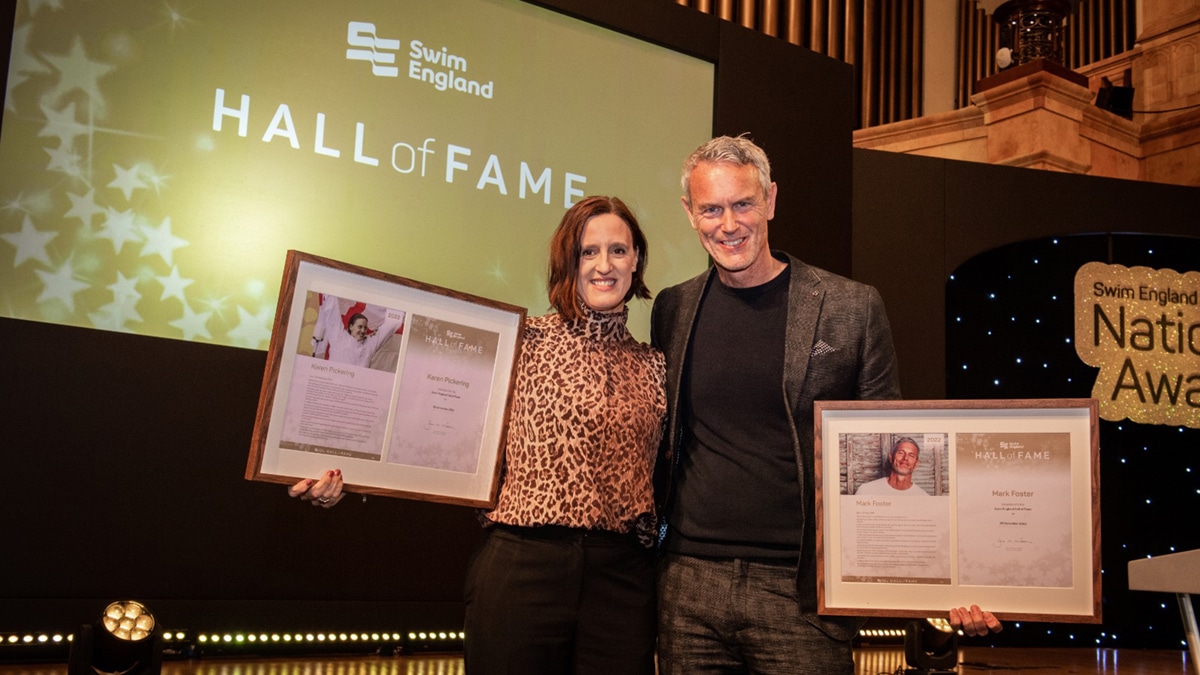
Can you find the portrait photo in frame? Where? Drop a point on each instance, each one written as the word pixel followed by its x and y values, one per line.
pixel 402 385
pixel 927 505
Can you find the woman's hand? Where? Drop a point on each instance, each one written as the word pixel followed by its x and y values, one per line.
pixel 324 492
pixel 974 621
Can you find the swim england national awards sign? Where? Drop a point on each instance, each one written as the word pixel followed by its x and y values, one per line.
pixel 1141 328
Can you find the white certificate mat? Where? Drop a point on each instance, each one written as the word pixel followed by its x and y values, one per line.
pixel 1001 510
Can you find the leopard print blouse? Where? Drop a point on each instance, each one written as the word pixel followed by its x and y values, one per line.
pixel 587 415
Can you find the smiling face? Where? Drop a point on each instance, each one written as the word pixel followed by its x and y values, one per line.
pixel 607 260
pixel 904 458
pixel 730 213
pixel 358 328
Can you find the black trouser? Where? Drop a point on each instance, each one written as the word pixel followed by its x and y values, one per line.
pixel 558 600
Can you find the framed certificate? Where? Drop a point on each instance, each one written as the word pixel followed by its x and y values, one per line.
pixel 927 505
pixel 402 385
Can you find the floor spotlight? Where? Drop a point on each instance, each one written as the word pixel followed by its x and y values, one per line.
pixel 123 642
pixel 930 648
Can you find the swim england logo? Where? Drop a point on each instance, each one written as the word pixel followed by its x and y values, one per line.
pixel 435 66
pixel 365 45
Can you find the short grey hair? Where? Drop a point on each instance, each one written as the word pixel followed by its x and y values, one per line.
pixel 901 441
pixel 738 150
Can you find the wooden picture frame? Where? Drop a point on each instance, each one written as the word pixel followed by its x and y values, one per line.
pixel 1003 509
pixel 417 408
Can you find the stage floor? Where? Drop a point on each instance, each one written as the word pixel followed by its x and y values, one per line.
pixel 868 661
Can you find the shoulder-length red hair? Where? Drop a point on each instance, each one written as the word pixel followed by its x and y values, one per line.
pixel 565 251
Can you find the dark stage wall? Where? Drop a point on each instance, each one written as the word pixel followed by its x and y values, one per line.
pixel 916 219
pixel 127 454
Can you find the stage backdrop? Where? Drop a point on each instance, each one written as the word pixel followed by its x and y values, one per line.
pixel 157 160
pixel 131 448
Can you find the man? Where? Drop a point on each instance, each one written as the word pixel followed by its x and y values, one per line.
pixel 750 344
pixel 902 462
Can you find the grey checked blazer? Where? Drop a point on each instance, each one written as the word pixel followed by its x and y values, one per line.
pixel 838 347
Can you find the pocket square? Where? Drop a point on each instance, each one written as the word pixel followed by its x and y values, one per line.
pixel 822 347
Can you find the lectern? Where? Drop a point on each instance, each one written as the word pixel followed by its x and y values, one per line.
pixel 1177 573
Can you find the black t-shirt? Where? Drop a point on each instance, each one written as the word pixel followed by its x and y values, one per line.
pixel 738 491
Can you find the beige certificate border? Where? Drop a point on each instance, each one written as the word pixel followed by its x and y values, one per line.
pixel 304 273
pixel 1078 603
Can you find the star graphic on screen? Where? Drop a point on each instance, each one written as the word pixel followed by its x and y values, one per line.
pixel 217 305
pixel 119 227
pixel 36 5
pixel 30 243
pixel 125 289
pixel 192 324
pixel 127 180
pixel 16 77
pixel 78 72
pixel 160 241
pixel 63 159
pixel 175 17
pixel 156 180
pixel 252 330
pixel 105 318
pixel 23 64
pixel 60 285
pixel 122 309
pixel 174 284
pixel 84 208
pixel 18 204
pixel 61 124
pixel 115 315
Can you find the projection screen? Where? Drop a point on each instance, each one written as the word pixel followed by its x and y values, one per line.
pixel 157 160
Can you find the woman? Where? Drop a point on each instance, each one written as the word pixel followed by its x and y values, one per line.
pixel 357 343
pixel 563 581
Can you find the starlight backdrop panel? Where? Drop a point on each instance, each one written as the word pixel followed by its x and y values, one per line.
pixel 156 163
pixel 1010 333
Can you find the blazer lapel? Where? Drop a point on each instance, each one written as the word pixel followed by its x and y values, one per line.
pixel 805 296
pixel 689 305
pixel 676 350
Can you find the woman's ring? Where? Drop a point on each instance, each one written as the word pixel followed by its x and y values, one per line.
pixel 324 500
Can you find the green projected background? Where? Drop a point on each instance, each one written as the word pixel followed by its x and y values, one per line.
pixel 158 159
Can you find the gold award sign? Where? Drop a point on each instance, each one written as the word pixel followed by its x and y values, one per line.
pixel 1141 328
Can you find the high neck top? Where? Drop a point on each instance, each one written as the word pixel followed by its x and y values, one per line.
pixel 602 326
pixel 584 425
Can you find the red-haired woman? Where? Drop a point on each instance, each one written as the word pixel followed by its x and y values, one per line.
pixel 563 581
